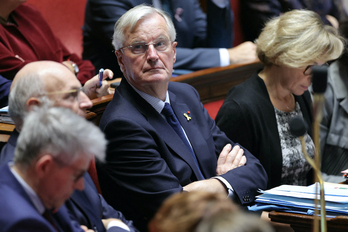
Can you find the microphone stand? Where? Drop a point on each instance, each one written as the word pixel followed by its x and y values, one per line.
pixel 319 84
pixel 322 193
pixel 317 110
pixel 298 128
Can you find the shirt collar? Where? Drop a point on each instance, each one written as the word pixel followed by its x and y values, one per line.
pixel 31 193
pixel 155 102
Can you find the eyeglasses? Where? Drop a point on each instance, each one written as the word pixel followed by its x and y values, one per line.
pixel 140 48
pixel 308 69
pixel 73 94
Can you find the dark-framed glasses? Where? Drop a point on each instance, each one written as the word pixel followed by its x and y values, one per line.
pixel 308 70
pixel 71 94
pixel 141 47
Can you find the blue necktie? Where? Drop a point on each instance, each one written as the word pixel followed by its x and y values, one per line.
pixel 174 123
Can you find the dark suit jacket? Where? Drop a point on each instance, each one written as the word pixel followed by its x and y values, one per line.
pixel 198 35
pixel 7 151
pixel 5 85
pixel 147 161
pixel 18 213
pixel 247 116
pixel 85 207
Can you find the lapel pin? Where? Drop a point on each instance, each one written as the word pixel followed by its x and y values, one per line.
pixel 188 118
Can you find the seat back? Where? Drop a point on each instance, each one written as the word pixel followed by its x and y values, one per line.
pixel 237 27
pixel 66 18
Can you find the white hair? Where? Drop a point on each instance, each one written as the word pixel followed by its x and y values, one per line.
pixel 130 19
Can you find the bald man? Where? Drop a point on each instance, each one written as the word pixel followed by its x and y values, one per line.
pixel 48 83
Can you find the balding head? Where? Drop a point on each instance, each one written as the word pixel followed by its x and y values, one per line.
pixel 49 73
pixel 32 83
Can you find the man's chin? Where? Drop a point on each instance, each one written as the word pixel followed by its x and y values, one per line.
pixel 156 75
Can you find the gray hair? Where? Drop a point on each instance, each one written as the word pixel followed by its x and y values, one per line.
pixel 298 38
pixel 130 19
pixel 23 89
pixel 61 133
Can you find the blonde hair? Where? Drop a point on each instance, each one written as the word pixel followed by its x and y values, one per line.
pixel 298 38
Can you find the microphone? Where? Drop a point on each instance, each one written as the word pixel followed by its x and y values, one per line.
pixel 298 128
pixel 319 84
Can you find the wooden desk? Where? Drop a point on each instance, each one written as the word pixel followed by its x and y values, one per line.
pixel 304 223
pixel 6 130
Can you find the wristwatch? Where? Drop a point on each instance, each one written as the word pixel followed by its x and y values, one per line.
pixel 75 67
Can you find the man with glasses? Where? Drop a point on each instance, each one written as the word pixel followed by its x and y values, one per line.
pixel 54 150
pixel 45 84
pixel 161 139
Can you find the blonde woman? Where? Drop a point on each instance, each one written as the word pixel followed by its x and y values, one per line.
pixel 256 112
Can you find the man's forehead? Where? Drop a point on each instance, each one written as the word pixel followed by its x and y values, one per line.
pixel 141 32
pixel 61 82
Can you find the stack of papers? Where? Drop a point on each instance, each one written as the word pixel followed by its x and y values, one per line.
pixel 300 199
pixel 4 116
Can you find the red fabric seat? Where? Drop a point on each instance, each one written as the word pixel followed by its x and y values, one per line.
pixel 213 107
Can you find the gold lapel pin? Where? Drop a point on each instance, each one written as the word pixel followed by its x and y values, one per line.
pixel 188 118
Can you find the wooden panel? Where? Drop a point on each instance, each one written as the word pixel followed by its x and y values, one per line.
pixel 214 83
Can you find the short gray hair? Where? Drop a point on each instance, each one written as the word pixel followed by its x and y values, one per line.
pixel 61 133
pixel 298 38
pixel 130 19
pixel 23 89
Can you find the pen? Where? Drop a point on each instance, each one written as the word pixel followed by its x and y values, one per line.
pixel 100 76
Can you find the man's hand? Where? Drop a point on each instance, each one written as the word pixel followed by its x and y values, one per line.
pixel 230 159
pixel 243 53
pixel 209 185
pixel 107 221
pixel 91 87
pixel 86 229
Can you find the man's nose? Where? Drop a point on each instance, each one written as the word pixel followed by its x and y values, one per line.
pixel 152 53
pixel 84 101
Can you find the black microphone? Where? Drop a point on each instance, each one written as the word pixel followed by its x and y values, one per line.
pixel 319 79
pixel 298 128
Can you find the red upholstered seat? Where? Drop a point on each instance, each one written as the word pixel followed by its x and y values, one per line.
pixel 66 18
pixel 213 107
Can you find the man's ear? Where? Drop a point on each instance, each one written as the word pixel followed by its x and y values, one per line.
pixel 32 102
pixel 174 50
pixel 44 165
pixel 120 60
